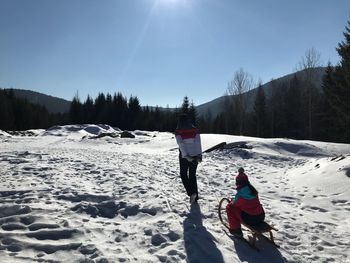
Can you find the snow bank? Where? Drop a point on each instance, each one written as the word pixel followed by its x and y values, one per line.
pixel 277 146
pixel 98 129
pixel 324 175
pixel 85 129
pixel 3 133
pixel 36 132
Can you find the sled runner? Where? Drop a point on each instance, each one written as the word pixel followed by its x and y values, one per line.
pixel 256 231
pixel 243 239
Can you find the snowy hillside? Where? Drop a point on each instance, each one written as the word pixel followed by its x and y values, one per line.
pixel 83 194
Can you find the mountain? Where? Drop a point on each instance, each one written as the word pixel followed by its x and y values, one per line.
pixel 58 105
pixel 216 106
pixel 52 104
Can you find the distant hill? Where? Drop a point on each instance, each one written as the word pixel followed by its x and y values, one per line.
pixel 216 105
pixel 58 105
pixel 52 104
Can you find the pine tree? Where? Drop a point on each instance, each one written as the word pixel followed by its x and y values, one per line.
pixel 260 112
pixel 147 120
pixel 328 116
pixel 219 124
pixel 100 106
pixel 208 121
pixel 75 112
pixel 134 110
pixel 185 105
pixel 337 88
pixel 171 119
pixel 6 112
pixel 275 111
pixel 120 108
pixel 158 117
pixel 88 110
pixel 295 127
pixel 192 112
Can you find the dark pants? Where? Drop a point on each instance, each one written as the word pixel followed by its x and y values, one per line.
pixel 252 220
pixel 188 175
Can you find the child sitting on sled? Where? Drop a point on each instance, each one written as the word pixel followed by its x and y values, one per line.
pixel 245 206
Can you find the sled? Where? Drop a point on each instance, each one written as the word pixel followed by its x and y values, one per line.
pixel 256 231
pixel 215 147
pixel 242 239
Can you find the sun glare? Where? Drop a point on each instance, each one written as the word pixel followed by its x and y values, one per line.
pixel 172 2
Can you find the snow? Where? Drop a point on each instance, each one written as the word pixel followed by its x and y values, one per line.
pixel 67 196
pixel 87 129
pixel 3 133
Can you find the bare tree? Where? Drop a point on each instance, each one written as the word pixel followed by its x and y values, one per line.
pixel 310 61
pixel 241 83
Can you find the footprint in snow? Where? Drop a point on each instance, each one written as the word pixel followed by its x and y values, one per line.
pixel 314 208
pixel 158 239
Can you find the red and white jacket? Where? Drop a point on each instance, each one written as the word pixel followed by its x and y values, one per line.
pixel 189 141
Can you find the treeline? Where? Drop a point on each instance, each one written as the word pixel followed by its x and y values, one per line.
pixel 19 114
pixel 118 111
pixel 284 114
pixel 127 114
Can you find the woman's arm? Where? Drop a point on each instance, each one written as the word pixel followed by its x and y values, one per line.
pixel 198 144
pixel 181 144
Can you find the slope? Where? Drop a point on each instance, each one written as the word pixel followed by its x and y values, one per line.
pixel 216 106
pixel 52 104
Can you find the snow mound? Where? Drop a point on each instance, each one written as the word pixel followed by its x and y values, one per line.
pixel 26 133
pixel 326 175
pixel 36 132
pixel 62 130
pixel 2 133
pixel 298 148
pixel 98 129
pixel 86 129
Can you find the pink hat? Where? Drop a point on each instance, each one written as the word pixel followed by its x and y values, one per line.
pixel 241 179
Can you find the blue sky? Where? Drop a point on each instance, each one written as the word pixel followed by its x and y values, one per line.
pixel 160 50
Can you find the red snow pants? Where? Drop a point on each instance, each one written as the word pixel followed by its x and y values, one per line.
pixel 233 216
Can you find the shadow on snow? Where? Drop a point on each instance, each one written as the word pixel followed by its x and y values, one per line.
pixel 268 253
pixel 199 243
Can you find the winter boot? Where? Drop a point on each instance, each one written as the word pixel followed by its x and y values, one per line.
pixel 236 232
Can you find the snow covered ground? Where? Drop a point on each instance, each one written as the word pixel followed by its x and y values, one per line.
pixel 71 195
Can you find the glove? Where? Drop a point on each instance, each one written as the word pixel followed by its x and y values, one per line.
pixel 189 158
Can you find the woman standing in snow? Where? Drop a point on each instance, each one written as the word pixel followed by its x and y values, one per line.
pixel 189 141
pixel 245 206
